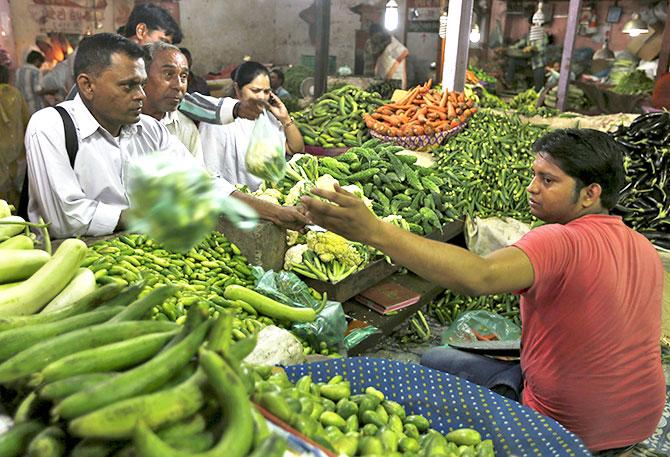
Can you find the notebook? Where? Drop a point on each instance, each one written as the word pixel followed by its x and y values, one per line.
pixel 387 297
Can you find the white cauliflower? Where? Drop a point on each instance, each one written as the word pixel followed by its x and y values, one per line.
pixel 268 198
pixel 326 182
pixel 293 237
pixel 293 255
pixel 298 190
pixel 358 192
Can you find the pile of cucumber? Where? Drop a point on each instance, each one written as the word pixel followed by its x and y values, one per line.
pixel 93 379
pixel 335 119
pixel 367 423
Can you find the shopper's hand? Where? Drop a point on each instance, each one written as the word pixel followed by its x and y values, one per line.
pixel 291 218
pixel 278 109
pixel 249 109
pixel 348 217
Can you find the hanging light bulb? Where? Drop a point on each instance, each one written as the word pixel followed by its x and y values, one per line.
pixel 635 26
pixel 538 17
pixel 475 36
pixel 391 15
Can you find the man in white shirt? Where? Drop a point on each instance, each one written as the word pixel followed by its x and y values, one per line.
pixel 90 199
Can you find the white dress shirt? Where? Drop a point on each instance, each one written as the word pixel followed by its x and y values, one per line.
pixel 88 200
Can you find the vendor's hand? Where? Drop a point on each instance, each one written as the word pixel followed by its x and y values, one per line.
pixel 291 218
pixel 278 109
pixel 249 109
pixel 351 219
pixel 528 49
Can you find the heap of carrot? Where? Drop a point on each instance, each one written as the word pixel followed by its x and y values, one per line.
pixel 422 111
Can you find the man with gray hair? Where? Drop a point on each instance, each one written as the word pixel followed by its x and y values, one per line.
pixel 167 79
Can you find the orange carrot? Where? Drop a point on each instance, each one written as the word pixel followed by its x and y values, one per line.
pixel 451 111
pixel 443 100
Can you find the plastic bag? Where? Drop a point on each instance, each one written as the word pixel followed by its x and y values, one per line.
pixel 175 202
pixel 483 236
pixel 265 155
pixel 286 287
pixel 469 324
pixel 357 335
pixel 329 327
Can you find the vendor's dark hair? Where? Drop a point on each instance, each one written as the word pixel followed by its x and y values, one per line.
pixel 155 18
pixel 589 156
pixel 95 52
pixel 279 73
pixel 35 57
pixel 151 50
pixel 247 72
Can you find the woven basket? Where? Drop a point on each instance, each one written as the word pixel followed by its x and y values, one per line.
pixel 421 142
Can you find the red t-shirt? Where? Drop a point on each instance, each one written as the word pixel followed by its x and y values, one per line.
pixel 591 330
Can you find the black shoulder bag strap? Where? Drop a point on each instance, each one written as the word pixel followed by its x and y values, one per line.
pixel 72 147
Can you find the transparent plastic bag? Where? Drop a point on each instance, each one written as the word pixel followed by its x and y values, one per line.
pixel 466 327
pixel 175 202
pixel 329 327
pixel 265 157
pixel 286 287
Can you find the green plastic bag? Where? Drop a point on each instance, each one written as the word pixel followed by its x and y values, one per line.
pixel 483 322
pixel 286 287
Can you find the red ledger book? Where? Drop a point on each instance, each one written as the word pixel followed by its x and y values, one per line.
pixel 387 297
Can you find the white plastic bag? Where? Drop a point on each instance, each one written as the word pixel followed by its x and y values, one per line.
pixel 265 154
pixel 483 236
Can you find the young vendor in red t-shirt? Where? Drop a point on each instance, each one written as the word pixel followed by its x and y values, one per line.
pixel 590 293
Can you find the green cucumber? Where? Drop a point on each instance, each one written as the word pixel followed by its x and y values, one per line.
pixel 268 306
pixel 81 285
pixel 65 387
pixel 11 226
pixel 18 242
pixel 14 341
pixel 50 442
pixel 43 353
pixel 90 301
pixel 111 357
pixel 14 442
pixel 20 264
pixel 237 437
pixel 46 283
pixel 118 420
pixel 141 379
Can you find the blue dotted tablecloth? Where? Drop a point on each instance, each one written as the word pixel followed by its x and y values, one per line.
pixel 449 402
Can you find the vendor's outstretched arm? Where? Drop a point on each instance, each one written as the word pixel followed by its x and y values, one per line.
pixel 506 270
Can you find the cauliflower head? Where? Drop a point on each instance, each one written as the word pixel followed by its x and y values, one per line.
pixel 293 255
pixel 293 237
pixel 358 192
pixel 326 182
pixel 298 190
pixel 330 246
